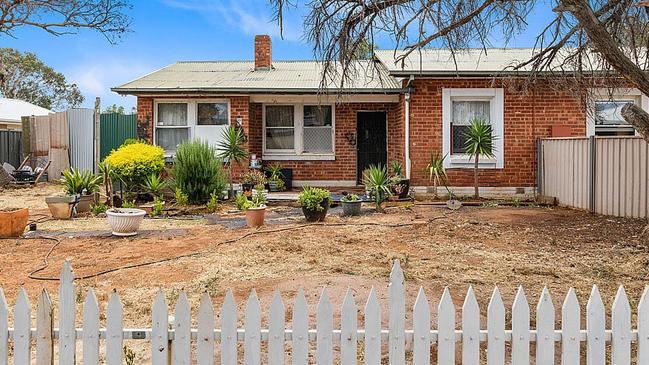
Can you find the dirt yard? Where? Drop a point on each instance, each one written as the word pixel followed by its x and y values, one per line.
pixel 478 246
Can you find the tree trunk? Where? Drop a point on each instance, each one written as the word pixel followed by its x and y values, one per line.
pixel 638 118
pixel 476 193
pixel 231 192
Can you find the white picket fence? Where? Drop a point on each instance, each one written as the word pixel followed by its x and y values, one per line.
pixel 173 344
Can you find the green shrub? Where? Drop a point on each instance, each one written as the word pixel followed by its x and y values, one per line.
pixel 312 198
pixel 213 203
pixel 158 206
pixel 155 185
pixel 129 204
pixel 350 198
pixel 80 182
pixel 180 197
pixel 241 201
pixel 98 208
pixel 133 163
pixel 198 171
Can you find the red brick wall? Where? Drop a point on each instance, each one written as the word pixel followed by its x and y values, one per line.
pixel 145 118
pixel 527 116
pixel 344 167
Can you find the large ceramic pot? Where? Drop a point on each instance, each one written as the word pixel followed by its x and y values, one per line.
pixel 61 206
pixel 255 216
pixel 351 208
pixel 13 222
pixel 314 215
pixel 125 221
pixel 85 201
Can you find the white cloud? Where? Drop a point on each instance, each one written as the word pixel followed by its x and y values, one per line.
pixel 95 77
pixel 248 16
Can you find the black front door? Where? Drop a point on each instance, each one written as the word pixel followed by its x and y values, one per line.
pixel 372 145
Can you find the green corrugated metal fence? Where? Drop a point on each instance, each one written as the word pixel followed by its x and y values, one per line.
pixel 115 128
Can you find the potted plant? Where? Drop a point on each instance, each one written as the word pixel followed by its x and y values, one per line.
pixel 232 150
pixel 351 204
pixel 378 184
pixel 13 222
pixel 275 176
pixel 85 184
pixel 125 221
pixel 61 206
pixel 401 185
pixel 260 189
pixel 255 210
pixel 314 203
pixel 251 179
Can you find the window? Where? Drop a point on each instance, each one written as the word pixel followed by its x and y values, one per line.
pixel 299 131
pixel 172 126
pixel 178 120
pixel 317 129
pixel 280 131
pixel 609 120
pixel 212 114
pixel 460 107
pixel 465 112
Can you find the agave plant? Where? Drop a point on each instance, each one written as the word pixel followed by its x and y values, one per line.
pixel 378 183
pixel 80 182
pixel 479 142
pixel 155 185
pixel 232 150
pixel 436 170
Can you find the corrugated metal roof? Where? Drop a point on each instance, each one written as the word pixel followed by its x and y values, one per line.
pixel 467 62
pixel 12 109
pixel 241 76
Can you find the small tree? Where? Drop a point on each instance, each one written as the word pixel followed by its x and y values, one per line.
pixel 436 171
pixel 232 151
pixel 479 142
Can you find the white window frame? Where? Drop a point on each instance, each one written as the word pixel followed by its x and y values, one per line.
pixel 192 116
pixel 602 94
pixel 496 99
pixel 298 134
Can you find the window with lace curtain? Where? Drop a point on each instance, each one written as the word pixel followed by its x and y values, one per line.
pixel 172 127
pixel 464 113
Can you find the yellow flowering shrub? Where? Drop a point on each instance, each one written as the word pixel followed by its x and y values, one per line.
pixel 133 162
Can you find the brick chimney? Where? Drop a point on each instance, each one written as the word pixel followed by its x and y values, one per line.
pixel 263 52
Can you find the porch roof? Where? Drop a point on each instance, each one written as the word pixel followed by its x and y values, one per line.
pixel 242 77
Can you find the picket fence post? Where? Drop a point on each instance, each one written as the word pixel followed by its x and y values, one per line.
pixel 67 317
pixel 446 329
pixel 520 329
pixel 324 328
pixel 114 330
pixel 229 330
pixel 90 345
pixel 496 329
pixel 470 329
pixel 160 330
pixel 205 336
pixel 372 330
pixel 421 329
pixel 22 329
pixel 276 331
pixel 643 327
pixel 545 329
pixel 595 329
pixel 348 329
pixel 252 327
pixel 44 330
pixel 397 319
pixel 300 341
pixel 4 329
pixel 570 329
pixel 621 326
pixel 182 325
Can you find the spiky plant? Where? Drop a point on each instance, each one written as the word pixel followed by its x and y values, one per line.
pixel 198 171
pixel 231 150
pixel 378 183
pixel 436 170
pixel 155 185
pixel 479 142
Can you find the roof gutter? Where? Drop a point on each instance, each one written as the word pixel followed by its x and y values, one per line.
pixel 408 73
pixel 134 91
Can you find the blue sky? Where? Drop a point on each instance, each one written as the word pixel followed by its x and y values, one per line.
pixel 166 31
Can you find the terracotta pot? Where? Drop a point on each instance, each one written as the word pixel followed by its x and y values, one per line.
pixel 84 203
pixel 13 222
pixel 125 221
pixel 61 206
pixel 255 216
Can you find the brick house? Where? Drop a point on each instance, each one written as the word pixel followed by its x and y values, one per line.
pixel 390 112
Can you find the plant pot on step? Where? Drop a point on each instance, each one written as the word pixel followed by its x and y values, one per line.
pixel 61 206
pixel 125 221
pixel 255 216
pixel 13 222
pixel 85 201
pixel 351 208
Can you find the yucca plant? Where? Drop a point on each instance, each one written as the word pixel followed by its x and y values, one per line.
pixel 378 183
pixel 80 182
pixel 231 150
pixel 198 171
pixel 437 171
pixel 155 185
pixel 479 142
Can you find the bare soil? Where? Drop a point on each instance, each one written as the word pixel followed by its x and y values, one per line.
pixel 482 247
